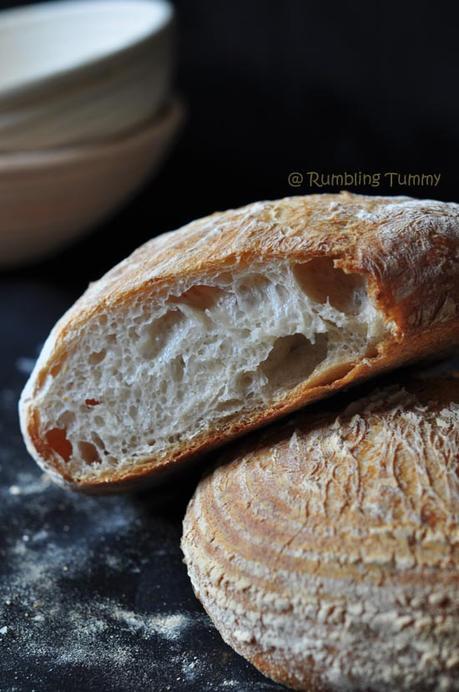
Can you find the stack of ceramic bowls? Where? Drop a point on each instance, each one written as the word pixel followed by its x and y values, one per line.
pixel 85 115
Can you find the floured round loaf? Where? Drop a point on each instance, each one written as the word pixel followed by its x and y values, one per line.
pixel 327 553
pixel 234 320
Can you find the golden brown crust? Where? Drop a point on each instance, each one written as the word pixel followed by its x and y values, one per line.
pixel 327 551
pixel 407 249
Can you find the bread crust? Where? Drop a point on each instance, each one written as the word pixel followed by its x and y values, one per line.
pixel 406 249
pixel 326 552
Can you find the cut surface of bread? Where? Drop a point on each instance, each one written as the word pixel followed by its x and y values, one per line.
pixel 326 551
pixel 234 320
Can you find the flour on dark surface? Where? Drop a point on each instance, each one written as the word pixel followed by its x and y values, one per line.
pixel 93 591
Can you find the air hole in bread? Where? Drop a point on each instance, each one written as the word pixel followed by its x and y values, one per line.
pixel 200 297
pixel 323 282
pixel 372 350
pixel 177 368
pixel 229 406
pixel 97 357
pixel 88 452
pixel 55 370
pixel 158 334
pixel 98 442
pixel 331 375
pixel 293 358
pixel 66 419
pixel 247 382
pixel 56 439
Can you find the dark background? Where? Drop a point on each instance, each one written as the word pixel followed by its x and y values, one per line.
pixel 275 86
pixel 271 87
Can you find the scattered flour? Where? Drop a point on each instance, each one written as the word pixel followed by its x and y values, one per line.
pixel 29 484
pixel 84 589
pixel 169 627
pixel 25 365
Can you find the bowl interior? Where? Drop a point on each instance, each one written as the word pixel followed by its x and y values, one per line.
pixel 40 41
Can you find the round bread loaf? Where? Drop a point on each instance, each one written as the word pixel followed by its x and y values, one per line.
pixel 327 552
pixel 233 321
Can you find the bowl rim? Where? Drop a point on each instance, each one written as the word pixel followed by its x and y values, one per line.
pixel 168 118
pixel 90 64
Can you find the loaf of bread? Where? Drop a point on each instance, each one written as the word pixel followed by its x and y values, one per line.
pixel 327 552
pixel 232 321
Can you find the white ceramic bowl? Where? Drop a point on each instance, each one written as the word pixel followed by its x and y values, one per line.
pixel 49 198
pixel 81 70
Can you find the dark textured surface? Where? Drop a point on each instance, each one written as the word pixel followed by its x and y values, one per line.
pixel 273 87
pixel 93 591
